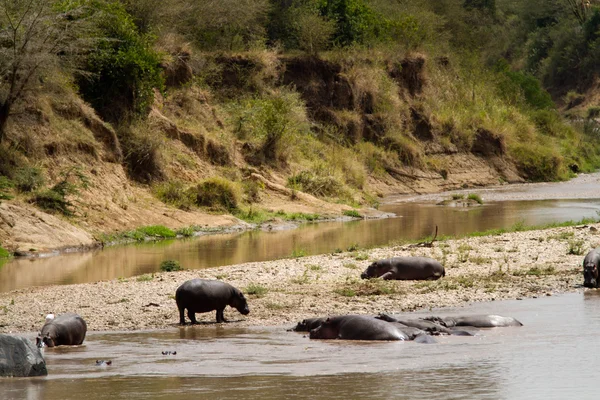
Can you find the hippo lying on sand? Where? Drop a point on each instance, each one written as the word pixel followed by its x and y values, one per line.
pixel 476 321
pixel 65 330
pixel 430 327
pixel 201 295
pixel 591 264
pixel 405 268
pixel 357 327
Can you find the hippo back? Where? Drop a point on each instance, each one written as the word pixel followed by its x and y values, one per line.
pixel 65 330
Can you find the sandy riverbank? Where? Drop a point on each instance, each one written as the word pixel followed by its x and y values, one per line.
pixel 513 265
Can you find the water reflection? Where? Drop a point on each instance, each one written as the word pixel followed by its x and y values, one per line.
pixel 414 221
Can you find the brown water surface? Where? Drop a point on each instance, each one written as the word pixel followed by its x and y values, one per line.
pixel 555 355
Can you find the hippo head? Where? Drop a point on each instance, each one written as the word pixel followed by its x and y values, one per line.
pixel 374 270
pixel 326 330
pixel 590 275
pixel 238 301
pixel 44 341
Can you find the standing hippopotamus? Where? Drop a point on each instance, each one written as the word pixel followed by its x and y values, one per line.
pixel 65 330
pixel 476 321
pixel 357 327
pixel 405 268
pixel 591 264
pixel 201 295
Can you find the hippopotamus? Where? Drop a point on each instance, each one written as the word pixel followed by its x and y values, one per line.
pixel 430 327
pixel 308 324
pixel 405 268
pixel 591 264
pixel 357 327
pixel 477 321
pixel 202 295
pixel 65 330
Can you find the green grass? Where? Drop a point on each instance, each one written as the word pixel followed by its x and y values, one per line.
pixel 170 266
pixel 576 247
pixel 256 290
pixel 298 253
pixel 4 253
pixel 352 213
pixel 475 197
pixel 258 216
pixel 521 227
pixel 145 278
pixel 536 271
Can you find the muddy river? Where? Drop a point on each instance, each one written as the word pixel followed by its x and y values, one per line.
pixel 416 218
pixel 555 355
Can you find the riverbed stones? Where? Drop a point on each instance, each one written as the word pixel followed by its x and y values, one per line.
pixel 19 357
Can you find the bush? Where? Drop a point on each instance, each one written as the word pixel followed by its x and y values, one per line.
pixel 170 266
pixel 28 179
pixel 175 194
pixel 52 201
pixel 475 197
pixel 4 253
pixel 352 213
pixel 5 185
pixel 216 193
pixel 55 198
pixel 120 74
pixel 318 185
pixel 142 155
pixel 256 290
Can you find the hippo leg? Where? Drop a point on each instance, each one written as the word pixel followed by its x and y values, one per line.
pixel 192 317
pixel 220 316
pixel 181 316
pixel 387 276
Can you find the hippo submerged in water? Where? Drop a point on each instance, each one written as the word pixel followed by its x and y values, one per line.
pixel 65 330
pixel 591 264
pixel 357 327
pixel 405 268
pixel 476 321
pixel 201 295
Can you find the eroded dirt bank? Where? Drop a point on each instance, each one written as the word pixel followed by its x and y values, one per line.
pixel 509 266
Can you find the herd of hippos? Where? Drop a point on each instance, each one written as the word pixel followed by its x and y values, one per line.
pixel 200 296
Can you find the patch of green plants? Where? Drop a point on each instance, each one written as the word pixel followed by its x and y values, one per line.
pixel 174 193
pixel 479 260
pixel 5 186
pixel 575 247
pixel 353 247
pixel 458 196
pixel 4 253
pixel 536 271
pixel 28 179
pixel 298 253
pixel 350 266
pixel 216 193
pixel 145 278
pixel 314 267
pixel 370 287
pixel 275 306
pixel 55 198
pixel 256 290
pixel 302 279
pixel 301 217
pixel 186 231
pixel 361 257
pixel 562 236
pixel 170 266
pixel 156 231
pixel 352 213
pixel 475 197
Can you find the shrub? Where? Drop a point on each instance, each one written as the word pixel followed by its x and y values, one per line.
pixel 52 201
pixel 318 185
pixel 120 74
pixel 475 197
pixel 28 179
pixel 216 193
pixel 55 198
pixel 141 153
pixel 4 253
pixel 256 290
pixel 170 265
pixel 174 193
pixel 5 185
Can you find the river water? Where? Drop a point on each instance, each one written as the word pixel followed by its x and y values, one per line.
pixel 554 355
pixel 416 218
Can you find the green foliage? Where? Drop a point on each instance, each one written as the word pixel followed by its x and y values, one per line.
pixel 256 290
pixel 28 179
pixel 141 151
pixel 120 74
pixel 352 213
pixel 271 123
pixel 576 247
pixel 156 231
pixel 521 82
pixel 170 266
pixel 173 192
pixel 145 278
pixel 4 253
pixel 5 186
pixel 539 162
pixel 217 194
pixel 319 184
pixel 475 197
pixel 356 22
pixel 55 198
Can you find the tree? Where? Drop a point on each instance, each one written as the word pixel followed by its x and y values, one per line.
pixel 312 31
pixel 32 35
